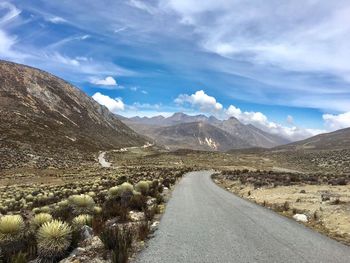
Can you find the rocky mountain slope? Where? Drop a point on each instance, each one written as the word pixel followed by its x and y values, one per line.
pixel 198 136
pixel 336 140
pixel 45 121
pixel 204 133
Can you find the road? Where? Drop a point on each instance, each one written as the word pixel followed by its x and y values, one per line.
pixel 204 223
pixel 102 160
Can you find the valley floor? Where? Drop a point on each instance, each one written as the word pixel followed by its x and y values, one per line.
pixel 287 185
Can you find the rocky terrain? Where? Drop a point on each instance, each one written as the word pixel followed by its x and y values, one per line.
pixel 202 133
pixel 46 121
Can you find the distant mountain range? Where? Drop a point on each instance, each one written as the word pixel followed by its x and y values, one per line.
pixel 202 133
pixel 45 121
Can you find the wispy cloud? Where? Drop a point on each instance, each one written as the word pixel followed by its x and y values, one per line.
pixel 57 20
pixel 143 5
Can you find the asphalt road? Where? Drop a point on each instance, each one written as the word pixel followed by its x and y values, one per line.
pixel 204 223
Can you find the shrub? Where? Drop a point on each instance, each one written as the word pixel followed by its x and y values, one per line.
pixel 82 204
pixel 11 229
pixel 40 219
pixel 97 210
pixel 142 187
pixel 113 192
pixel 54 238
pixel 125 188
pixel 118 240
pixel 81 220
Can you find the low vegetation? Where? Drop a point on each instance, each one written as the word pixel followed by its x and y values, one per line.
pixel 53 222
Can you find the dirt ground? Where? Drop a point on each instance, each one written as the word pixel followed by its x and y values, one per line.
pixel 327 207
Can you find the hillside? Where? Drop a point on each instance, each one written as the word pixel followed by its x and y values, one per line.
pixel 46 121
pixel 336 140
pixel 240 135
pixel 197 136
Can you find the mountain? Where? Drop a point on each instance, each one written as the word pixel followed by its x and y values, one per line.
pixel 47 121
pixel 336 140
pixel 198 136
pixel 159 128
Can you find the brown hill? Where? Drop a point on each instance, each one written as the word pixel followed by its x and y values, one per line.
pixel 47 121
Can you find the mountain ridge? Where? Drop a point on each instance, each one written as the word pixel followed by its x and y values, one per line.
pixel 244 135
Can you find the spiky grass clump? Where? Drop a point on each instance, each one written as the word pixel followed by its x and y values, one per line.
pixel 11 229
pixel 97 210
pixel 40 219
pixel 142 187
pixel 113 192
pixel 82 204
pixel 126 188
pixel 79 221
pixel 54 238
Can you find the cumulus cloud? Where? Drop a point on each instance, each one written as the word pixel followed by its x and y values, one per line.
pixel 261 121
pixel 114 105
pixel 209 104
pixel 335 122
pixel 108 81
pixel 201 100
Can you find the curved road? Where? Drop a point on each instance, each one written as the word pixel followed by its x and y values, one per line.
pixel 204 223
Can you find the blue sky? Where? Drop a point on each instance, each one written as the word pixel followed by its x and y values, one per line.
pixel 283 66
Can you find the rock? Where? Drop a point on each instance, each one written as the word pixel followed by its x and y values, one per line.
pixel 325 197
pixel 300 218
pixel 154 226
pixel 136 216
pixel 91 251
pixel 76 252
pixel 86 232
pixel 151 201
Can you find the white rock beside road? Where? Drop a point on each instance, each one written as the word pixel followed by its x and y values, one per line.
pixel 300 218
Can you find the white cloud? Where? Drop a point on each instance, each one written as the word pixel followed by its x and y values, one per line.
pixel 142 6
pixel 114 105
pixel 261 121
pixel 208 104
pixel 64 59
pixel 12 12
pixel 6 44
pixel 57 20
pixel 314 38
pixel 7 41
pixel 108 81
pixel 335 122
pixel 200 99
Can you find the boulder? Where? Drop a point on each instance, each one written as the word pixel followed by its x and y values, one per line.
pixel 300 218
